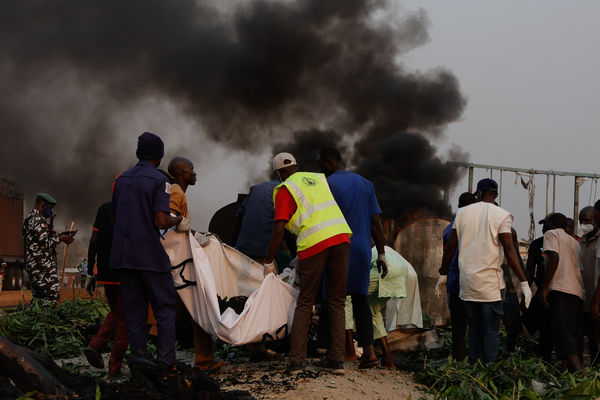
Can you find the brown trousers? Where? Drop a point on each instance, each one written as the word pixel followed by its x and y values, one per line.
pixel 333 261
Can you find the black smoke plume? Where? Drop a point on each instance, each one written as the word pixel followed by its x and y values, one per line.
pixel 250 76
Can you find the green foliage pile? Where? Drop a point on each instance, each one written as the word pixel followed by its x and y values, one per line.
pixel 520 375
pixel 58 331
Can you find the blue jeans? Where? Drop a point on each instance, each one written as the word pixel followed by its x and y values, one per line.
pixel 483 320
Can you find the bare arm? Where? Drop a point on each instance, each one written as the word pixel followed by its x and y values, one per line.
pixel 163 220
pixel 516 244
pixel 449 251
pixel 551 267
pixel 379 239
pixel 377 233
pixel 511 255
pixel 275 241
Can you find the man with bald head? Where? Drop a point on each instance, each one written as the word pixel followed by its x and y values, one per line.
pixel 589 240
pixel 182 171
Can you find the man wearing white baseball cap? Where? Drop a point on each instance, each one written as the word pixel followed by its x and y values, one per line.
pixel 305 206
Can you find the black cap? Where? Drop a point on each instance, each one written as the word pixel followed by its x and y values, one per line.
pixel 150 147
pixel 487 185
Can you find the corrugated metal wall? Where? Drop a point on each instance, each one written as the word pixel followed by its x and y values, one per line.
pixel 11 219
pixel 11 231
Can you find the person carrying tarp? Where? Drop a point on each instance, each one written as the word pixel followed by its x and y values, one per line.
pixel 183 175
pixel 141 207
pixel 305 206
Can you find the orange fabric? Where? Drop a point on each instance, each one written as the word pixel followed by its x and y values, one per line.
pixel 178 202
pixel 319 247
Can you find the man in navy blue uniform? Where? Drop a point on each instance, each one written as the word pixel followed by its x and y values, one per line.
pixel 140 208
pixel 356 198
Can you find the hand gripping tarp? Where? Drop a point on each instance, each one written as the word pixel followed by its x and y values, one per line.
pixel 200 274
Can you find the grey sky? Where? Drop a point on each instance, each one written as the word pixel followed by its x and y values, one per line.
pixel 529 70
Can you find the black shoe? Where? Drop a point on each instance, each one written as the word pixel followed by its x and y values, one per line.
pixel 333 367
pixel 94 357
pixel 140 358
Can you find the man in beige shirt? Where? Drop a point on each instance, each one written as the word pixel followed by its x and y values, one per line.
pixel 562 290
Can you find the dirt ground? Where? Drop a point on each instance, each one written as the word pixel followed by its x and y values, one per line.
pixel 267 380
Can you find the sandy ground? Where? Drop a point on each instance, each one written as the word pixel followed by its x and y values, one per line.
pixel 267 380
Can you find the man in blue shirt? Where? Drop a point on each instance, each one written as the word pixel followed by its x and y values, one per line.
pixel 258 217
pixel 356 198
pixel 458 315
pixel 140 208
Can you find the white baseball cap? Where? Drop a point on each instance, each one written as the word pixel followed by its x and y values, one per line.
pixel 283 160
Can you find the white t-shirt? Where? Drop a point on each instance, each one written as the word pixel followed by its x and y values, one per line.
pixel 479 250
pixel 567 278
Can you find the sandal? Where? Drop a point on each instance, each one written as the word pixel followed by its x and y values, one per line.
pixel 210 365
pixel 365 364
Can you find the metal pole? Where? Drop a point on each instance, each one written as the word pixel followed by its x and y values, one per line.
pixel 553 193
pixel 500 194
pixel 547 184
pixel 470 180
pixel 575 204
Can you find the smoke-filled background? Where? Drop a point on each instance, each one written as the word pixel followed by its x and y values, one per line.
pixel 221 85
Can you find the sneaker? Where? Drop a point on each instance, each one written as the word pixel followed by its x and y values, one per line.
pixel 94 357
pixel 294 368
pixel 333 367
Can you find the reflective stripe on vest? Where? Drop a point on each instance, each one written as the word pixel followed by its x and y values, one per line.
pixel 317 216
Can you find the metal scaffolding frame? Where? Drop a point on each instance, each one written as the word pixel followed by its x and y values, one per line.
pixel 577 181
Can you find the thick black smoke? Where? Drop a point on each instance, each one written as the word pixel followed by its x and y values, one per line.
pixel 268 69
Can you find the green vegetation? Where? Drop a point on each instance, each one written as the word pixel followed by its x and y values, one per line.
pixel 58 331
pixel 518 375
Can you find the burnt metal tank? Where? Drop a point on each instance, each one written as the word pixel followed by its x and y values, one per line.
pixel 420 243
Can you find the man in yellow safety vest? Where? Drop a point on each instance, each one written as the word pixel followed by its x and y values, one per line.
pixel 305 206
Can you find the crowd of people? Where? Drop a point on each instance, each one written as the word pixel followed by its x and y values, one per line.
pixel 481 252
pixel 331 223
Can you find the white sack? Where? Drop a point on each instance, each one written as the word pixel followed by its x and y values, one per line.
pixel 220 269
pixel 401 313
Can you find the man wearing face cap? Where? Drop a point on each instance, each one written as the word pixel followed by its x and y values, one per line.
pixel 141 207
pixel 480 230
pixel 40 241
pixel 305 206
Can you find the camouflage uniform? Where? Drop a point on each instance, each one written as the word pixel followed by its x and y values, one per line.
pixel 40 257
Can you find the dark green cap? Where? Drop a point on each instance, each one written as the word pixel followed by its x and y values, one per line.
pixel 47 198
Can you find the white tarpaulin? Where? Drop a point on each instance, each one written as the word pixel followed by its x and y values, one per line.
pixel 401 313
pixel 218 269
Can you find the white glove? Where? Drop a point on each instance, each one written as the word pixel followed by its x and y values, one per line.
pixel 440 286
pixel 527 295
pixel 184 225
pixel 202 239
pixel 270 267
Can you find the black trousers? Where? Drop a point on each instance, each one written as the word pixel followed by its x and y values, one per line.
pixel 458 317
pixel 363 320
